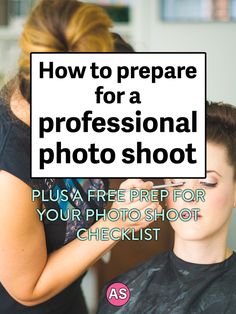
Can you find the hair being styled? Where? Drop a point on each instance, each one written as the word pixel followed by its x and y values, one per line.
pixel 62 26
pixel 221 128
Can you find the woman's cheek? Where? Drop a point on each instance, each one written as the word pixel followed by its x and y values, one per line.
pixel 178 205
pixel 169 200
pixel 218 200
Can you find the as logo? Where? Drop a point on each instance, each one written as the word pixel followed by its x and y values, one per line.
pixel 118 294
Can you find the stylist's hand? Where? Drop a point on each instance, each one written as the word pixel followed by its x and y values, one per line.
pixel 136 203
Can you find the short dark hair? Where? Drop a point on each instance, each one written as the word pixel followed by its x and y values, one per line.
pixel 221 128
pixel 120 45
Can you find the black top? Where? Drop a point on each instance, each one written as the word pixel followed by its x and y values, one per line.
pixel 168 284
pixel 15 159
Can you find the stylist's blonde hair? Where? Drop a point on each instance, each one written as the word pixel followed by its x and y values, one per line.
pixel 62 26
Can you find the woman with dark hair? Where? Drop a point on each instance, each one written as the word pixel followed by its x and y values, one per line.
pixel 42 262
pixel 199 274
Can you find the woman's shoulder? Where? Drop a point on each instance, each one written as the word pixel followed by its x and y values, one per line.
pixel 13 111
pixel 4 114
pixel 14 144
pixel 230 265
pixel 140 276
pixel 143 271
pixel 146 269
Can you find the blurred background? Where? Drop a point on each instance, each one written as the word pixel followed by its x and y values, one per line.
pixel 149 25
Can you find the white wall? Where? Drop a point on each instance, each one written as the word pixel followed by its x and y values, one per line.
pixel 217 39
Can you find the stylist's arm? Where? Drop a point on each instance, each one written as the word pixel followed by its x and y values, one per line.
pixel 29 275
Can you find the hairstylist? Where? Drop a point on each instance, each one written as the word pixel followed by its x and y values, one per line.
pixel 42 263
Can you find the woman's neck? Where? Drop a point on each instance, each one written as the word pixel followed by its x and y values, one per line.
pixel 20 107
pixel 207 251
